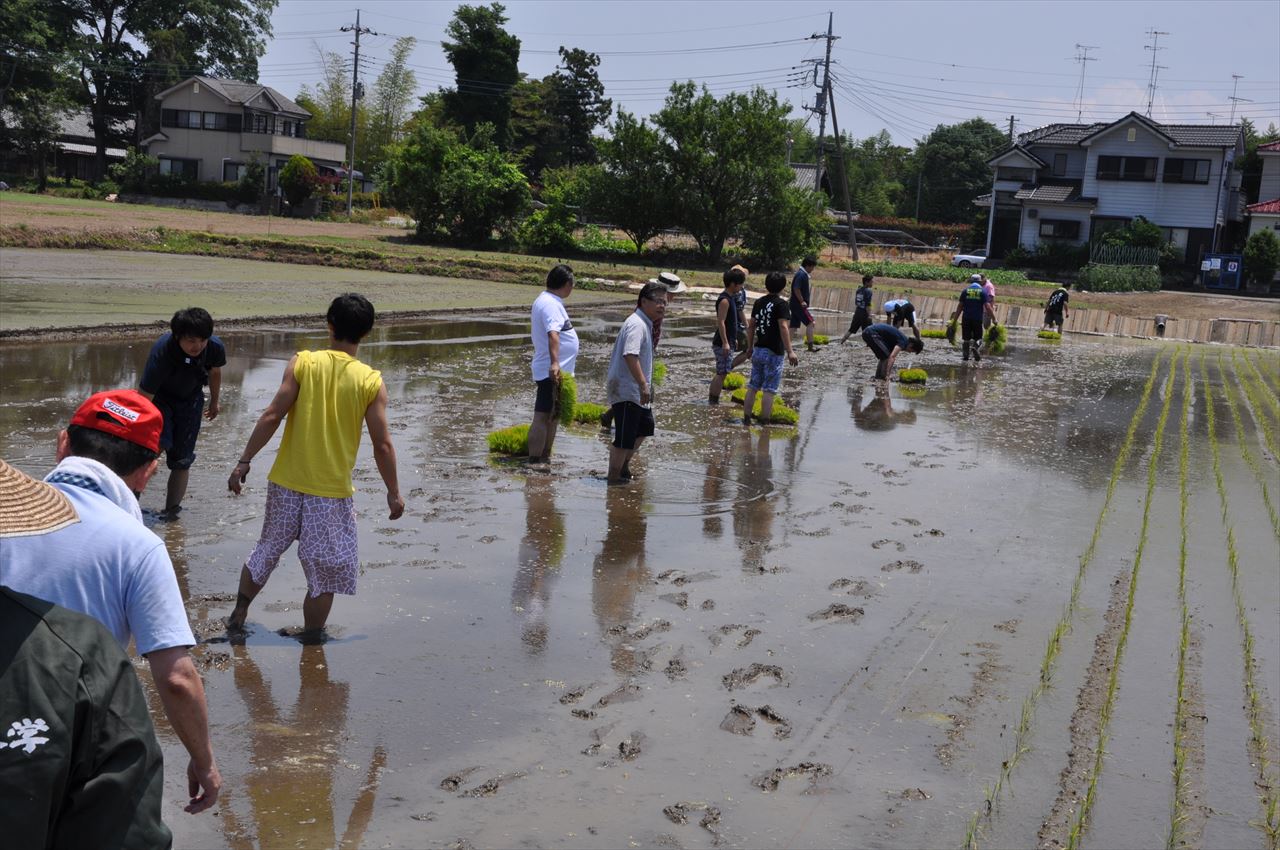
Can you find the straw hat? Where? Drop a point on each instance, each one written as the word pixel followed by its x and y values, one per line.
pixel 28 506
pixel 672 282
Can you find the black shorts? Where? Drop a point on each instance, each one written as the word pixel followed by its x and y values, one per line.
pixel 1053 317
pixel 545 400
pixel 181 427
pixel 971 329
pixel 630 422
pixel 861 319
pixel 800 316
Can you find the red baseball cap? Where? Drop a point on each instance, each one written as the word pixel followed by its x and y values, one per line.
pixel 126 414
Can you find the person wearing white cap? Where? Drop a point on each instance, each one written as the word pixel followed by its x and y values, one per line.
pixel 672 283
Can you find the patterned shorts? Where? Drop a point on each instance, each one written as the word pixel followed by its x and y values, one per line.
pixel 766 370
pixel 326 533
pixel 724 359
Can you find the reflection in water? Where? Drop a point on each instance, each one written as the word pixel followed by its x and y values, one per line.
pixel 538 561
pixel 753 512
pixel 714 485
pixel 294 760
pixel 619 570
pixel 878 413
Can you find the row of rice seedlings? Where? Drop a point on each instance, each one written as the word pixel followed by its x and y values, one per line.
pixel 1249 457
pixel 1265 389
pixel 1053 646
pixel 1259 415
pixel 1113 679
pixel 1181 783
pixel 1271 375
pixel 1267 782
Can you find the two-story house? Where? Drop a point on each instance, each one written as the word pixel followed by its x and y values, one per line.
pixel 1265 215
pixel 1073 182
pixel 210 129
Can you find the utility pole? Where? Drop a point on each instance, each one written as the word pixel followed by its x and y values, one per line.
pixel 820 105
pixel 357 92
pixel 1011 129
pixel 1082 59
pixel 1235 81
pixel 844 178
pixel 1152 81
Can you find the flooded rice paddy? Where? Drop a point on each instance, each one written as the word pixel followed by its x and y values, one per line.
pixel 1036 603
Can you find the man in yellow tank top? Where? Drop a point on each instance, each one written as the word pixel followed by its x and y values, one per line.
pixel 323 399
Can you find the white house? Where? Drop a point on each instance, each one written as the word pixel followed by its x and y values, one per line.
pixel 1265 215
pixel 1070 182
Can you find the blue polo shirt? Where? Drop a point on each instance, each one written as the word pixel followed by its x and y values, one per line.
pixel 972 300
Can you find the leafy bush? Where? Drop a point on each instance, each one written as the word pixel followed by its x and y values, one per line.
pixel 784 225
pixel 510 441
pixel 133 171
pixel 253 182
pixel 595 241
pixel 1138 233
pixel 1261 257
pixel 546 232
pixel 1097 277
pixel 912 376
pixel 922 271
pixel 781 414
pixel 586 413
pixel 1050 256
pixel 337 201
pixel 997 339
pixel 298 179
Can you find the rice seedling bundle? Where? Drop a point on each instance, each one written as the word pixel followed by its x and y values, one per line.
pixel 821 339
pixel 510 441
pixel 568 398
pixel 586 413
pixel 912 376
pixel 1052 336
pixel 659 373
pixel 734 380
pixel 997 339
pixel 781 413
pixel 933 333
pixel 953 327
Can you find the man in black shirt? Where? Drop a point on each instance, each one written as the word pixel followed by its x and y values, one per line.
pixel 861 308
pixel 767 338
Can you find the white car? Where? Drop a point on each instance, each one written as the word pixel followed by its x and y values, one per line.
pixel 973 260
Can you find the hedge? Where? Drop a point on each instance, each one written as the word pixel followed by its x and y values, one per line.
pixel 923 271
pixel 1097 277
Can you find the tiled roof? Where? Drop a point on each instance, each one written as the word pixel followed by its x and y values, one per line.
pixel 1020 149
pixel 77 124
pixel 1046 194
pixel 1265 208
pixel 1188 135
pixel 803 174
pixel 1058 134
pixel 1203 135
pixel 241 93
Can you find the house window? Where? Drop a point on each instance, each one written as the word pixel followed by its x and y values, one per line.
pixel 1132 168
pixel 1051 228
pixel 1005 172
pixel 1059 165
pixel 232 171
pixel 187 169
pixel 1186 170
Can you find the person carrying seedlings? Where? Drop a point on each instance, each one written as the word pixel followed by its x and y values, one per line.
pixel 801 292
pixel 724 344
pixel 179 366
pixel 861 308
pixel 900 310
pixel 885 342
pixel 974 307
pixel 1055 309
pixel 555 350
pixel 989 288
pixel 630 381
pixel 740 315
pixel 326 397
pixel 767 340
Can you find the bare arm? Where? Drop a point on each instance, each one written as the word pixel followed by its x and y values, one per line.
pixel 722 316
pixel 384 453
pixel 268 422
pixel 990 311
pixel 751 333
pixel 553 348
pixel 215 391
pixel 888 363
pixel 182 693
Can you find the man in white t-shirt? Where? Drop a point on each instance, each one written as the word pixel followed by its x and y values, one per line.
pixel 555 350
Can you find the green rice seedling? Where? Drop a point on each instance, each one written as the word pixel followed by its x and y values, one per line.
pixel 953 328
pixel 1182 794
pixel 997 339
pixel 781 414
pixel 510 441
pixel 1246 453
pixel 586 413
pixel 734 380
pixel 912 376
pixel 1052 336
pixel 1265 391
pixel 659 373
pixel 933 333
pixel 1256 403
pixel 821 339
pixel 912 391
pixel 568 398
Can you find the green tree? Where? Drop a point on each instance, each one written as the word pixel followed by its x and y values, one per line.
pixel 550 229
pixel 578 104
pixel 1250 165
pixel 298 179
pixel 784 224
pixel 1262 257
pixel 388 109
pixel 133 172
pixel 485 59
pixel 723 154
pixel 329 101
pixel 951 167
pixel 411 175
pixel 537 139
pixel 630 187
pixel 37 80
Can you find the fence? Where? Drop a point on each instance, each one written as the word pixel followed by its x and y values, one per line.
pixel 1123 255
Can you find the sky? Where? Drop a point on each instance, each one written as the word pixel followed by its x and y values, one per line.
pixel 901 66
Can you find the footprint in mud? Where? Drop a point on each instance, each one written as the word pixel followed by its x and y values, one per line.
pixel 883 542
pixel 708 605
pixel 490 786
pixel 676 667
pixel 630 747
pixel 598 736
pixel 642 632
pixel 454 781
pixel 748 676
pixel 741 720
pixel 679 814
pixel 623 693
pixel 854 587
pixel 839 612
pixel 820 532
pixel 933 532
pixel 748 634
pixel 583 714
pixel 912 794
pixel 761 569
pixel 680 600
pixel 1008 626
pixel 906 521
pixel 680 579
pixel 814 770
pixel 908 565
pixel 572 695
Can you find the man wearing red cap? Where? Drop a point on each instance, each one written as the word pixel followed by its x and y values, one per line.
pixel 110 566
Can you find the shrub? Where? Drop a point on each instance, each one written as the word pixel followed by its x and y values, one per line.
pixel 595 241
pixel 336 202
pixel 781 413
pixel 1050 256
pixel 997 338
pixel 912 376
pixel 132 172
pixel 510 441
pixel 546 232
pixel 1052 336
pixel 1097 277
pixel 298 179
pixel 1261 257
pixel 923 271
pixel 784 225
pixel 586 413
pixel 568 398
pixel 253 182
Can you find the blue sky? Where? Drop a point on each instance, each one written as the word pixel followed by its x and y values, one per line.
pixel 900 66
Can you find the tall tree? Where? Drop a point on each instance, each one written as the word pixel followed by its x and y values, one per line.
pixel 329 100
pixel 578 103
pixel 723 154
pixel 37 79
pixel 630 188
pixel 389 104
pixel 485 59
pixel 537 138
pixel 951 165
pixel 115 39
pixel 1250 165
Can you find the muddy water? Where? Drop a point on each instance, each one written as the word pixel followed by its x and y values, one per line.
pixel 802 637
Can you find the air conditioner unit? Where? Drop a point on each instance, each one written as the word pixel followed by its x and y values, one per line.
pixel 1033 214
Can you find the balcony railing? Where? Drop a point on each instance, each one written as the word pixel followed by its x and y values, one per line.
pixel 288 146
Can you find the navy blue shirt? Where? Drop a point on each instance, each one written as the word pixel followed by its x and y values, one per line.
pixel 972 300
pixel 171 376
pixel 889 335
pixel 799 289
pixel 862 298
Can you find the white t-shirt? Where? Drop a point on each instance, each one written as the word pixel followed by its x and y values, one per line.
pixel 108 566
pixel 549 315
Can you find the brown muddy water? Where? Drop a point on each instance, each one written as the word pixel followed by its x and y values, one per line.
pixel 833 635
